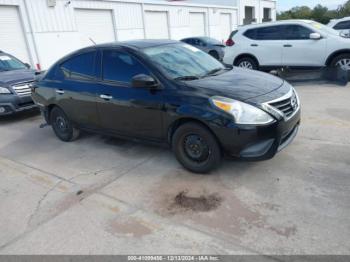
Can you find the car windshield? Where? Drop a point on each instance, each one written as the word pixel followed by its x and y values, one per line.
pixel 8 63
pixel 182 61
pixel 324 28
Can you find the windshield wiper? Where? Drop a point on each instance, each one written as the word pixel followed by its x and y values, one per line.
pixel 187 78
pixel 212 72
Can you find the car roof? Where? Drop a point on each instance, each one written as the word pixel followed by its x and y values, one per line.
pixel 139 44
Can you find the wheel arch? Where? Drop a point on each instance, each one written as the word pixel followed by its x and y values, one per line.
pixel 335 54
pixel 183 120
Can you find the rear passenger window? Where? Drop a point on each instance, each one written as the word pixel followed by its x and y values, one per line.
pixel 251 34
pixel 342 25
pixel 266 33
pixel 121 67
pixel 298 32
pixel 80 67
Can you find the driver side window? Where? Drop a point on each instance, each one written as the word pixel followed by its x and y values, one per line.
pixel 298 32
pixel 119 66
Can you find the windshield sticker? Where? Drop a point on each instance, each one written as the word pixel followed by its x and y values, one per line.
pixel 317 26
pixel 4 58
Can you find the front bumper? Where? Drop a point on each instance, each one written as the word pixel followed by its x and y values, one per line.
pixel 11 104
pixel 258 142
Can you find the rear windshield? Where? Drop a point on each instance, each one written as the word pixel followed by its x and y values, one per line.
pixel 233 34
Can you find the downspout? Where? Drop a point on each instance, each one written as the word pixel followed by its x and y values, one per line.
pixel 38 66
pixel 208 27
pixel 143 19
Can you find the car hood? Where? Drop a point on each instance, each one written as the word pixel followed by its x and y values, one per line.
pixel 16 76
pixel 239 84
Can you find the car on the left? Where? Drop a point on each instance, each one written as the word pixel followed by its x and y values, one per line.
pixel 15 80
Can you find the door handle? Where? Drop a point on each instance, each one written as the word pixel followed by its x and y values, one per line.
pixel 106 97
pixel 254 45
pixel 59 91
pixel 288 46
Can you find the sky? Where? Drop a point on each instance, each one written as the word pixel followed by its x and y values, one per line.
pixel 283 5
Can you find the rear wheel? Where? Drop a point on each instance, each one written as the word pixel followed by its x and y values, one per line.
pixel 214 54
pixel 342 61
pixel 62 126
pixel 247 62
pixel 196 148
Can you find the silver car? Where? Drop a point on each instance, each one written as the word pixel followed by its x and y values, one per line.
pixel 209 45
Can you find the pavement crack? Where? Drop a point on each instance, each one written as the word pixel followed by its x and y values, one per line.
pixel 41 200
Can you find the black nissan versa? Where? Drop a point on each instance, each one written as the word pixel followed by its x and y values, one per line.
pixel 15 80
pixel 172 93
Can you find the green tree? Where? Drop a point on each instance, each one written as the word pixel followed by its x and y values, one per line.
pixel 319 13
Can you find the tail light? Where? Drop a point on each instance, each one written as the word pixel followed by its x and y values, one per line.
pixel 230 42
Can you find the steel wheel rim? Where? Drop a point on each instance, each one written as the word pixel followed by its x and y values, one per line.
pixel 245 64
pixel 61 124
pixel 344 64
pixel 196 148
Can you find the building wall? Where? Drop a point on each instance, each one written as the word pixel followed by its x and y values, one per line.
pixel 259 6
pixel 52 32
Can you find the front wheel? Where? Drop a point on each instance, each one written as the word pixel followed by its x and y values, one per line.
pixel 214 54
pixel 196 148
pixel 62 126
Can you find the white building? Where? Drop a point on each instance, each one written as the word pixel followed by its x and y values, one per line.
pixel 41 31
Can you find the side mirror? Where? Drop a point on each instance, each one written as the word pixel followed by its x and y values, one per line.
pixel 315 36
pixel 144 81
pixel 27 65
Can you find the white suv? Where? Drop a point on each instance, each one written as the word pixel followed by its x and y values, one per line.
pixel 342 25
pixel 290 43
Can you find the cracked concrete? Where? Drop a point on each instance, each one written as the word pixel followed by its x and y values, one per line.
pixel 101 195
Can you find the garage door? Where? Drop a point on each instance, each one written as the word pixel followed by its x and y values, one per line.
pixel 197 24
pixel 156 24
pixel 225 25
pixel 12 39
pixel 96 25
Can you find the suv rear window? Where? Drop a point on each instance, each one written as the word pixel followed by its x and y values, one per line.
pixel 233 34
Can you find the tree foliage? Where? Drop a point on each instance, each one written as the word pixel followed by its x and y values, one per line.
pixel 319 13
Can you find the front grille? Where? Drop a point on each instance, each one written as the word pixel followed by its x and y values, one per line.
pixel 23 89
pixel 287 106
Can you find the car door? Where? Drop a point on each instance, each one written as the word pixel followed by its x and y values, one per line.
pixel 122 108
pixel 75 89
pixel 265 43
pixel 300 50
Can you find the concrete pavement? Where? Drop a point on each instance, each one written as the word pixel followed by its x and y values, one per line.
pixel 102 195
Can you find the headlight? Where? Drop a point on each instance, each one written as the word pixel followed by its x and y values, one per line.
pixel 4 90
pixel 243 113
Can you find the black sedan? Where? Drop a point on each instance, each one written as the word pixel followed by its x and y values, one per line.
pixel 170 93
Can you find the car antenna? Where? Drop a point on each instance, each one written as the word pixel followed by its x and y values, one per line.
pixel 92 41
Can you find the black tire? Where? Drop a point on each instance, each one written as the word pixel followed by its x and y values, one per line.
pixel 338 59
pixel 253 64
pixel 196 148
pixel 62 126
pixel 214 54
